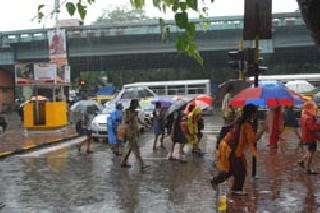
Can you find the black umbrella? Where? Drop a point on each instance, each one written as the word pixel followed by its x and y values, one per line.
pixel 234 85
pixel 179 104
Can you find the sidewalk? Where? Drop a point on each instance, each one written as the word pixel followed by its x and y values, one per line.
pixel 15 141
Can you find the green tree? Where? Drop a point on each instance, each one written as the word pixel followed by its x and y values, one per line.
pixel 120 15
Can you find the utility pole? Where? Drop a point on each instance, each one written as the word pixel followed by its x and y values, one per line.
pixel 257 25
pixel 241 69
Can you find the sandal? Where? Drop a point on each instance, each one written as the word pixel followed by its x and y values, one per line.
pixel 125 166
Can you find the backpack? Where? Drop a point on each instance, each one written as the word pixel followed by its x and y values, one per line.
pixel 223 132
pixel 229 142
pixel 232 132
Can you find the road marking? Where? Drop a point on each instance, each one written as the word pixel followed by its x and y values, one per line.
pixel 46 150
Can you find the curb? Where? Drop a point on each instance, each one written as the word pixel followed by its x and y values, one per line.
pixel 35 147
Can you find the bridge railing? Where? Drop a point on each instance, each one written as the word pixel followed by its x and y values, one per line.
pixel 143 28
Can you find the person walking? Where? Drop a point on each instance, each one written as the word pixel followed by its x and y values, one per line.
pixel 83 128
pixel 113 121
pixel 131 120
pixel 231 158
pixel 193 130
pixel 158 125
pixel 310 134
pixel 177 135
pixel 275 123
pixel 228 111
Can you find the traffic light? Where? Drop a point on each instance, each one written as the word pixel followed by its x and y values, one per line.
pixel 236 60
pixel 82 82
pixel 254 67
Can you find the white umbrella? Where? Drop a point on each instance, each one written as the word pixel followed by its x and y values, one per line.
pixel 300 86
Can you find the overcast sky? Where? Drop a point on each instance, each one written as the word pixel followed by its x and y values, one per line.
pixel 18 14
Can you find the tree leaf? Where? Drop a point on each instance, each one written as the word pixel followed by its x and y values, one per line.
pixel 71 8
pixel 193 4
pixel 183 6
pixel 182 43
pixel 40 13
pixel 182 19
pixel 204 23
pixel 191 30
pixel 91 1
pixel 82 10
pixel 40 7
pixel 139 4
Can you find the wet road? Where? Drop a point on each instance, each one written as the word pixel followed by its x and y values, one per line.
pixel 59 179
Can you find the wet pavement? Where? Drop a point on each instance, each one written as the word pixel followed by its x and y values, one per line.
pixel 15 139
pixel 59 179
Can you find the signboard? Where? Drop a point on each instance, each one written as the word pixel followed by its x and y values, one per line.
pixel 257 19
pixel 45 73
pixel 24 74
pixel 57 43
pixel 42 74
pixel 63 74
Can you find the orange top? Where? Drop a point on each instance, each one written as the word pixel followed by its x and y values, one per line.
pixel 223 155
pixel 247 139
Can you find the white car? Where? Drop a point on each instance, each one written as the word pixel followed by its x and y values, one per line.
pixel 99 124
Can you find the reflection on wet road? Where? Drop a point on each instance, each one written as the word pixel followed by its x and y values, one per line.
pixel 59 179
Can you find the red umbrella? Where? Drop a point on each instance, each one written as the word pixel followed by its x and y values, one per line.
pixel 201 101
pixel 204 99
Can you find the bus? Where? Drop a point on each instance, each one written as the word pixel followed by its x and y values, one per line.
pixel 185 88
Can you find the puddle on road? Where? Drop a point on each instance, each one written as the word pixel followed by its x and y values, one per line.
pixel 52 148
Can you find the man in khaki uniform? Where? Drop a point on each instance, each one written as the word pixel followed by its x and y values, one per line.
pixel 132 133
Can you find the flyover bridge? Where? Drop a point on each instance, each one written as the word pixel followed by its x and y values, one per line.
pixel 139 46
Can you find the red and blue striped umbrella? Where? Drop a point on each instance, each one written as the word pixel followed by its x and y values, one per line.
pixel 266 96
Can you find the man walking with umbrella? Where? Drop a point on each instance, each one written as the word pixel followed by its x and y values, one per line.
pixel 131 120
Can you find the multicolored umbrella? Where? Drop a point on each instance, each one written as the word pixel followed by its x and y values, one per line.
pixel 266 96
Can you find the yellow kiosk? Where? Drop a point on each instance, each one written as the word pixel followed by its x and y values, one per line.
pixel 44 115
pixel 40 112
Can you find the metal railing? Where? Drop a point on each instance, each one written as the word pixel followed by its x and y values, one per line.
pixel 141 28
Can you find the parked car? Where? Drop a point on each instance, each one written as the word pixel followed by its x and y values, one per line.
pixel 148 113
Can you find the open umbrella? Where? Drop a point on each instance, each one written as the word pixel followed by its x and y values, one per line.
pixel 84 106
pixel 300 86
pixel 180 104
pixel 266 96
pixel 234 85
pixel 203 100
pixel 165 102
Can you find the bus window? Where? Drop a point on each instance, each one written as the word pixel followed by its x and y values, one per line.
pixel 159 90
pixel 176 90
pixel 196 89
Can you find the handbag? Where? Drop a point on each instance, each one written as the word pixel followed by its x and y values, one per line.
pixel 122 129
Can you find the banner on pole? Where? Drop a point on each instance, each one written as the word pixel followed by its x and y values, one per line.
pixel 57 43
